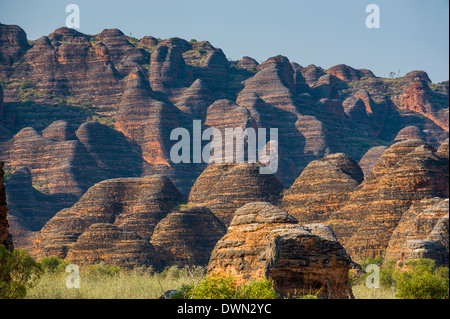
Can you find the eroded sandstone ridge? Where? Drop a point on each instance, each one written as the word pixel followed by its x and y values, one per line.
pixel 264 241
pixel 375 214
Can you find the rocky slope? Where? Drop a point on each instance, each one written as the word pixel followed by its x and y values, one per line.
pixel 322 188
pixel 425 224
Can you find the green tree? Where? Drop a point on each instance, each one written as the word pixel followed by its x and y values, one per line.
pixel 53 264
pixel 17 273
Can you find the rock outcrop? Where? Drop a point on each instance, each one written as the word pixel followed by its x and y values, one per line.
pixel 56 90
pixel 264 241
pixel 30 209
pixel 347 73
pixel 417 98
pixel 55 166
pixel 13 45
pixel 409 133
pixel 186 236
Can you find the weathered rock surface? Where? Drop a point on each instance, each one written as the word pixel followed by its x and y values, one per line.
pixel 13 45
pixel 55 166
pixel 417 98
pixel 146 87
pixel 112 153
pixel 248 63
pixel 186 236
pixel 369 160
pixel 406 173
pixel 223 188
pixel 264 241
pixel 409 133
pixel 103 242
pixel 416 249
pixel 322 188
pixel 30 209
pixel 416 226
pixel 347 73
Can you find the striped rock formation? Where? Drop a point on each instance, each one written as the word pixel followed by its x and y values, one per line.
pixel 406 173
pixel 323 187
pixel 132 204
pixel 223 188
pixel 186 236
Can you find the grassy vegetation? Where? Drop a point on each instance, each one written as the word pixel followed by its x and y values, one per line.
pixel 22 277
pixel 417 279
pixel 108 282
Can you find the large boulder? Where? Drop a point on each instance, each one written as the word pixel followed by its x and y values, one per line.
pixel 264 241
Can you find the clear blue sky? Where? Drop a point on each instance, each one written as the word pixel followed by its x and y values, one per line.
pixel 413 35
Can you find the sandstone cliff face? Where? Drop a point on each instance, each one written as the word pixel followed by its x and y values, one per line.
pixel 30 209
pixel 187 236
pixel 264 241
pixel 417 98
pixel 409 133
pixel 111 151
pixel 5 237
pixel 223 188
pixel 13 45
pixel 132 204
pixel 56 166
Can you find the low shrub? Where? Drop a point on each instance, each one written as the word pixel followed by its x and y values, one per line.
pixel 417 279
pixel 226 287
pixel 423 280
